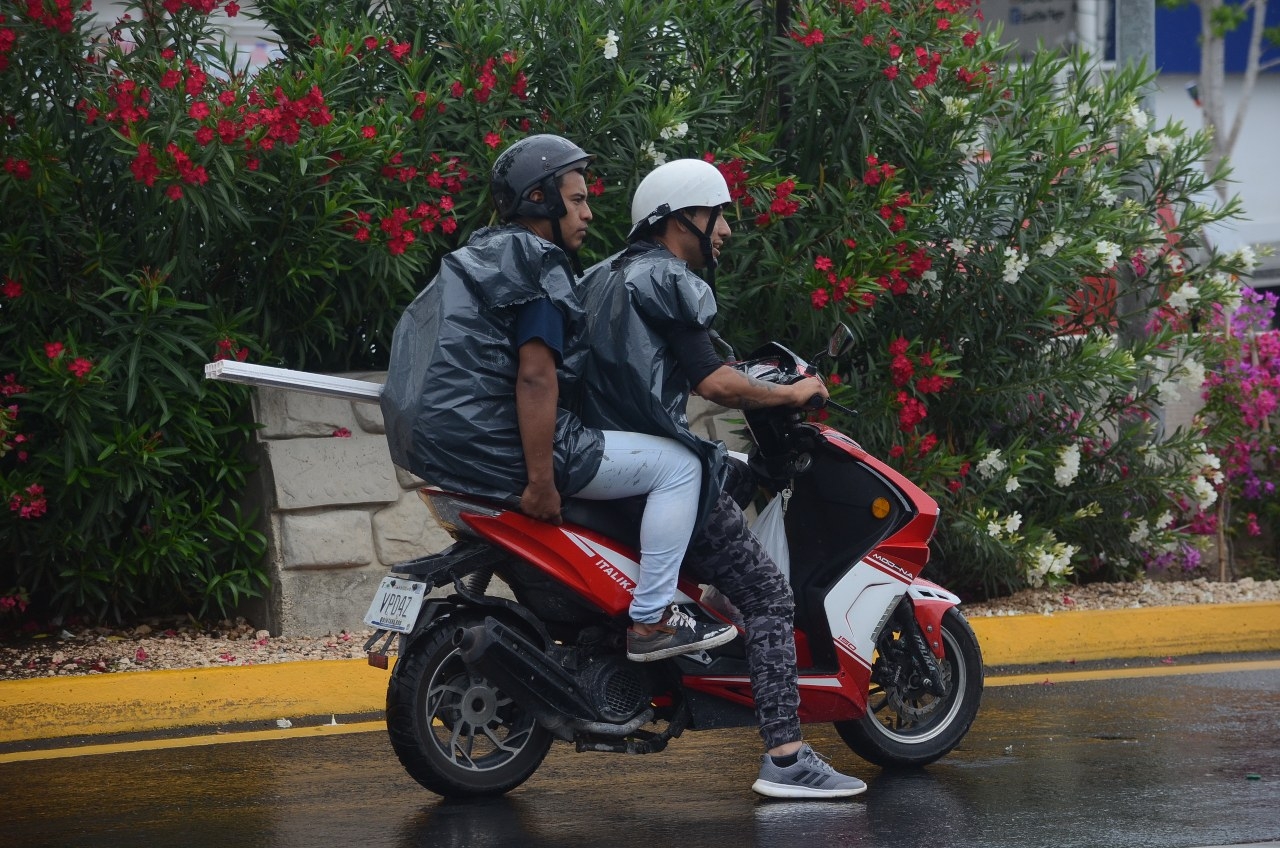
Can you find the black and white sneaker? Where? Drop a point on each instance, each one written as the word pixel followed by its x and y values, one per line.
pixel 678 633
pixel 810 776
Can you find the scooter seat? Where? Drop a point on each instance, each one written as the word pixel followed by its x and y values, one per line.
pixel 618 519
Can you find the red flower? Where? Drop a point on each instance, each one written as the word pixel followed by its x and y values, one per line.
pixel 233 9
pixel 493 140
pixel 970 38
pixel 899 346
pixel 170 79
pixel 370 43
pixel 819 298
pixel 369 132
pixel 891 72
pixel 199 111
pixel 822 263
pixel 342 433
pixel 53 349
pixel 80 367
pixel 11 289
pixel 173 192
pixel 597 187
pixel 457 89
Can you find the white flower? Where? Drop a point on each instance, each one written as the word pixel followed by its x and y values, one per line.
pixel 1165 520
pixel 1159 144
pixel 1174 263
pixel 993 529
pixel 1205 493
pixel 679 130
pixel 1068 466
pixel 1140 531
pixel 1108 253
pixel 1013 522
pixel 652 152
pixel 1015 264
pixel 959 248
pixel 1136 117
pixel 1182 298
pixel 990 465
pixel 610 44
pixel 1191 375
pixel 1053 244
pixel 1084 109
pixel 1167 392
pixel 956 107
pixel 1011 484
pixel 1106 196
pixel 1246 257
pixel 1051 557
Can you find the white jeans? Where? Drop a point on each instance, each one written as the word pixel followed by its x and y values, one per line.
pixel 671 475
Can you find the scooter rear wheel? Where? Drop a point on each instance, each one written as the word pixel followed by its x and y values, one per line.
pixel 911 727
pixel 455 732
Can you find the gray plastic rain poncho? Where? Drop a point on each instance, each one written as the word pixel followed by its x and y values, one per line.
pixel 634 300
pixel 449 402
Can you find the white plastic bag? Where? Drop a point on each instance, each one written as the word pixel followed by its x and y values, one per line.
pixel 770 528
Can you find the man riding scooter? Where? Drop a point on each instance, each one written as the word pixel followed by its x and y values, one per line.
pixel 649 319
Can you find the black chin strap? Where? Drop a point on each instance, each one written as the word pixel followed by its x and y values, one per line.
pixel 557 238
pixel 704 242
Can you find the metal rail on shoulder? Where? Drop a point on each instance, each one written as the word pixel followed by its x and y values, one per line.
pixel 249 374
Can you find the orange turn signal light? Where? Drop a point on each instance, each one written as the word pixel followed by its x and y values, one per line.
pixel 880 508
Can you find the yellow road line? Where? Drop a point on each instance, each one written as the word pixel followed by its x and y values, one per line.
pixel 195 741
pixel 1051 677
pixel 1054 677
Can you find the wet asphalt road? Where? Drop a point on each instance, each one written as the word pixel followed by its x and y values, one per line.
pixel 1162 762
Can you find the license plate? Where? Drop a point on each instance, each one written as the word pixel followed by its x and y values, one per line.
pixel 395 605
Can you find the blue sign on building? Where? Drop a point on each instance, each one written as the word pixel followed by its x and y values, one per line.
pixel 1178 40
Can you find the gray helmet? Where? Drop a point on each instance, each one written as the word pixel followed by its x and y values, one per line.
pixel 535 162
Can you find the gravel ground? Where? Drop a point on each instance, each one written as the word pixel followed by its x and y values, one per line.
pixel 182 643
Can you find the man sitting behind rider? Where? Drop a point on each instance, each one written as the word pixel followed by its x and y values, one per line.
pixel 649 319
pixel 474 400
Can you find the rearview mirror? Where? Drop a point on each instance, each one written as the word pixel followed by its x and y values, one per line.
pixel 841 341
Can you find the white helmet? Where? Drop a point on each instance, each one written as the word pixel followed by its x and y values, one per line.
pixel 680 184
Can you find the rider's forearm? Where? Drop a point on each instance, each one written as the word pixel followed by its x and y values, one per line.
pixel 736 390
pixel 537 393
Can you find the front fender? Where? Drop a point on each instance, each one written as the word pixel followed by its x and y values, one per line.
pixel 930 603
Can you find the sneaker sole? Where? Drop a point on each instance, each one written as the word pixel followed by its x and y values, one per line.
pixel 792 791
pixel 716 641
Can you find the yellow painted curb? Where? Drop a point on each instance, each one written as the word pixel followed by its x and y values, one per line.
pixel 127 702
pixel 1124 634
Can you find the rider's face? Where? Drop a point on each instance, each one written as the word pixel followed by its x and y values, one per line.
pixel 577 216
pixel 691 251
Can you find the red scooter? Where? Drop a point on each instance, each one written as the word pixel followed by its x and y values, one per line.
pixel 483 684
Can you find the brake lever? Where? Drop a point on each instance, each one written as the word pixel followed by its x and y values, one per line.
pixel 819 402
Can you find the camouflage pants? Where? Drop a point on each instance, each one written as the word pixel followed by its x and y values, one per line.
pixel 726 555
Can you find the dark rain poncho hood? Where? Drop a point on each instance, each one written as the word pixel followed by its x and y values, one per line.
pixel 449 403
pixel 635 299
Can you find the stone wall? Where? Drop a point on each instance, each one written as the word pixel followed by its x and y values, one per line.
pixel 337 513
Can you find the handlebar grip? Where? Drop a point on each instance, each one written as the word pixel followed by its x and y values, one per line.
pixel 816 402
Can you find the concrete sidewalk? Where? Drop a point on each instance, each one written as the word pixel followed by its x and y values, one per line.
pixel 134 702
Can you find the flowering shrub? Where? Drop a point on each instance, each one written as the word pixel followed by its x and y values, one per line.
pixel 1241 394
pixel 162 206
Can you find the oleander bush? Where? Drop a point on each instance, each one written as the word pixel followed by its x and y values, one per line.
pixel 1017 248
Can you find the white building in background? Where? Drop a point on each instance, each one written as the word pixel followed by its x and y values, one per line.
pixel 1061 23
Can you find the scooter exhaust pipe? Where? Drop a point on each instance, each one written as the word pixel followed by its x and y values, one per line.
pixel 523 671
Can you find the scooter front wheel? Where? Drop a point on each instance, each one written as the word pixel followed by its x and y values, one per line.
pixel 905 724
pixel 454 731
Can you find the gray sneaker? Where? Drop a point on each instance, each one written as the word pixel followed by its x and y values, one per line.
pixel 811 777
pixel 678 634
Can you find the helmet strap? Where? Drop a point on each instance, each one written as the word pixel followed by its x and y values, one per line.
pixel 704 241
pixel 557 238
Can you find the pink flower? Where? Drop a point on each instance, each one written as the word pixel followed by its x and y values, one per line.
pixel 493 140
pixel 80 367
pixel 53 349
pixel 822 263
pixel 342 433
